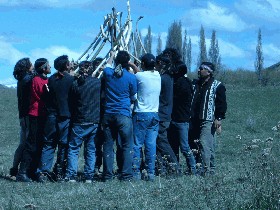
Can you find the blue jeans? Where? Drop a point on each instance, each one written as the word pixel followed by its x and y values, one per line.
pixel 56 133
pixel 145 127
pixel 178 135
pixel 80 133
pixel 117 128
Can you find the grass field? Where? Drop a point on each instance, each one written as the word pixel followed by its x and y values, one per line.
pixel 248 167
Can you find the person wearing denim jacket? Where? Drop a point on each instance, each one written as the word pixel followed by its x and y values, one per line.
pixel 145 118
pixel 85 116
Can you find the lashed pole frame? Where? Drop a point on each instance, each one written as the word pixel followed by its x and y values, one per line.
pixel 114 32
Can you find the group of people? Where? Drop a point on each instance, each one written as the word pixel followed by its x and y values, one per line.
pixel 142 116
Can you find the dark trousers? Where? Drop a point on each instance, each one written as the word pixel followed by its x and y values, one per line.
pixel 56 134
pixel 166 158
pixel 33 147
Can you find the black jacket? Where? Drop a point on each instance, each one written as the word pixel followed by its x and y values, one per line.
pixel 209 100
pixel 85 101
pixel 182 96
pixel 57 101
pixel 166 98
pixel 23 94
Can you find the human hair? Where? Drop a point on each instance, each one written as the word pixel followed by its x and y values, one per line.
pixel 173 54
pixel 148 61
pixel 180 69
pixel 61 62
pixel 210 66
pixel 122 58
pixel 21 68
pixel 40 65
pixel 85 69
pixel 96 62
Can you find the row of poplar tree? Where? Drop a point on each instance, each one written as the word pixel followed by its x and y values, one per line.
pixel 180 41
pixel 183 43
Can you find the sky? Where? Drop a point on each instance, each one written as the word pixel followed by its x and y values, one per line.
pixel 50 28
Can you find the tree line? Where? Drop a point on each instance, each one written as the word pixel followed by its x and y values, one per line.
pixel 179 39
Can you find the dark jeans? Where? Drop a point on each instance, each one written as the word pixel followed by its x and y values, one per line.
pixel 56 134
pixel 117 128
pixel 24 130
pixel 33 147
pixel 99 140
pixel 166 158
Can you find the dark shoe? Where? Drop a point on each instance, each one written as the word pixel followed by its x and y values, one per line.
pixel 97 175
pixel 23 178
pixel 42 178
pixel 60 178
pixel 70 179
pixel 13 171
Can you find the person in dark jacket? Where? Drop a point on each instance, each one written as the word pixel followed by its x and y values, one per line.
pixel 208 108
pixel 37 117
pixel 167 162
pixel 179 126
pixel 58 121
pixel 23 73
pixel 85 112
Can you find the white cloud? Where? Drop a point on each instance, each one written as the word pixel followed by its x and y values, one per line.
pixel 271 53
pixel 216 17
pixel 230 50
pixel 8 53
pixel 53 52
pixel 268 10
pixel 45 3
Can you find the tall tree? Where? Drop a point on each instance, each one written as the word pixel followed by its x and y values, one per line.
pixel 189 55
pixel 148 40
pixel 202 56
pixel 174 37
pixel 214 51
pixel 138 44
pixel 159 45
pixel 259 58
pixel 184 48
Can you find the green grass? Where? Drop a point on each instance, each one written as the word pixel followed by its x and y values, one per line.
pixel 247 177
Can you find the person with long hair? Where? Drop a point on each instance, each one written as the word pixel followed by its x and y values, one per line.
pixel 23 73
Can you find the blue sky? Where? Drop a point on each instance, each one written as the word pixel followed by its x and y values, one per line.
pixel 50 28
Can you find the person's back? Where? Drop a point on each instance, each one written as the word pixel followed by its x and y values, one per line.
pixel 145 118
pixel 118 91
pixel 84 101
pixel 149 85
pixel 85 113
pixel 59 85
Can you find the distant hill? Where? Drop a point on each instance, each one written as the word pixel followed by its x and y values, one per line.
pixel 3 87
pixel 274 67
pixel 8 86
